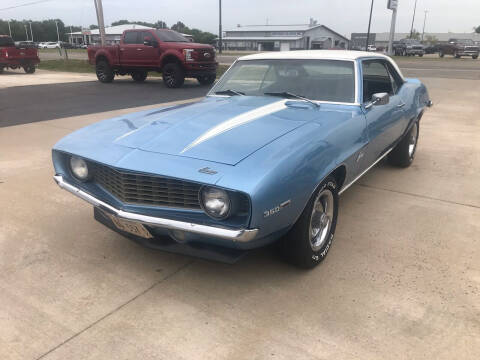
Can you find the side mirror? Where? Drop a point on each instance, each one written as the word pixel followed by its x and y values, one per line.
pixel 378 99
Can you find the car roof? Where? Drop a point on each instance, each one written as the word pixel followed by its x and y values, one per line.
pixel 314 54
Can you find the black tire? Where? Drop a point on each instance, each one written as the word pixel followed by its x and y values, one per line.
pixel 441 54
pixel 1 69
pixel 296 246
pixel 29 69
pixel 104 71
pixel 474 57
pixel 456 55
pixel 139 76
pixel 420 55
pixel 206 80
pixel 404 153
pixel 173 75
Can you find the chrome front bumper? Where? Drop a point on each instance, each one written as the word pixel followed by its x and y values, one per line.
pixel 240 235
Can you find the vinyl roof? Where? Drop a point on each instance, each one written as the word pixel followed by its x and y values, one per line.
pixel 314 54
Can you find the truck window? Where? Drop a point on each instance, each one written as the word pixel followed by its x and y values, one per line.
pixel 6 41
pixel 131 37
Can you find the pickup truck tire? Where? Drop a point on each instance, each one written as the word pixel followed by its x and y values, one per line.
pixel 29 69
pixel 404 153
pixel 139 76
pixel 441 54
pixel 104 71
pixel 309 240
pixel 206 80
pixel 474 57
pixel 1 69
pixel 173 75
pixel 456 55
pixel 420 55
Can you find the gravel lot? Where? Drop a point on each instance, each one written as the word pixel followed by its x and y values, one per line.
pixel 402 280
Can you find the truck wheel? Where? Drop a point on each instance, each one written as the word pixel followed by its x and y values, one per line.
pixel 404 153
pixel 420 55
pixel 474 57
pixel 441 54
pixel 404 53
pixel 206 80
pixel 1 69
pixel 139 76
pixel 173 75
pixel 309 240
pixel 104 72
pixel 456 55
pixel 29 68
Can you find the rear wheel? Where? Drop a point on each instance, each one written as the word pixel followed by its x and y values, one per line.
pixel 1 69
pixel 404 153
pixel 173 75
pixel 206 79
pixel 421 55
pixel 441 54
pixel 29 68
pixel 139 76
pixel 310 239
pixel 104 72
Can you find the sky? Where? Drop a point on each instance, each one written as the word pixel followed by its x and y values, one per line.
pixel 343 16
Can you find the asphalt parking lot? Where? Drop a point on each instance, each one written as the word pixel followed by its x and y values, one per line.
pixel 402 280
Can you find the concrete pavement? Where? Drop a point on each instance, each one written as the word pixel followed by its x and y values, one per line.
pixel 402 280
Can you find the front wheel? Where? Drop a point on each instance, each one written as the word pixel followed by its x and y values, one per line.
pixel 474 57
pixel 206 79
pixel 420 55
pixel 456 55
pixel 139 76
pixel 104 72
pixel 173 75
pixel 310 239
pixel 404 153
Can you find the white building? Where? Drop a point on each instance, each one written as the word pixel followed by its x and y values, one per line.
pixel 113 34
pixel 283 37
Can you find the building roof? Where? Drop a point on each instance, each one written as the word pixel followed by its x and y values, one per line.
pixel 113 30
pixel 314 54
pixel 260 38
pixel 263 28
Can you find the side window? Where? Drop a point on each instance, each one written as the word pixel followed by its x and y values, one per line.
pixel 145 35
pixel 376 79
pixel 131 37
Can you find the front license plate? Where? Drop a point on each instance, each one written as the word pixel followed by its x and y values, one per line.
pixel 131 227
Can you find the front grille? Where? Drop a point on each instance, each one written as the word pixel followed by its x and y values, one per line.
pixel 418 47
pixel 135 188
pixel 202 56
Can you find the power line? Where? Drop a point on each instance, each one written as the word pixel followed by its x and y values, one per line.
pixel 27 4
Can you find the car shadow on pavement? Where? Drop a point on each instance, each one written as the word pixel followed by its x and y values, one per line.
pixel 33 103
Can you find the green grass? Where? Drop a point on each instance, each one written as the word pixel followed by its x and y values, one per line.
pixel 48 51
pixel 82 66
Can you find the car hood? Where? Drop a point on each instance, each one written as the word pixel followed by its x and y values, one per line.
pixel 218 129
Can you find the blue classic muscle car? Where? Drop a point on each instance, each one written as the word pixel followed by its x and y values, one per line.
pixel 264 157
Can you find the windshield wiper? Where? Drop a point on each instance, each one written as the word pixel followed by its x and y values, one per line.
pixel 290 95
pixel 229 92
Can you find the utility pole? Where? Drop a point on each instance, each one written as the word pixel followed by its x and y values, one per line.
pixel 413 19
pixel 31 32
pixel 220 42
pixel 71 35
pixel 101 22
pixel 369 23
pixel 9 29
pixel 424 22
pixel 26 32
pixel 392 5
pixel 58 34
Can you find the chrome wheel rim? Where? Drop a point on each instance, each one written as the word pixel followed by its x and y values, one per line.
pixel 169 78
pixel 321 219
pixel 412 143
pixel 101 72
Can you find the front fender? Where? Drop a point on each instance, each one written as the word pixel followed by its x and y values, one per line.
pixel 169 54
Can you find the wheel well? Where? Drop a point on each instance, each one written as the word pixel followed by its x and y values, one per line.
pixel 339 174
pixel 100 58
pixel 171 59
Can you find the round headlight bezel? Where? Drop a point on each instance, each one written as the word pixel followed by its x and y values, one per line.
pixel 204 207
pixel 73 163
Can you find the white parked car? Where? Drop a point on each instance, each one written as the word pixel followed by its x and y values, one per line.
pixel 372 48
pixel 51 45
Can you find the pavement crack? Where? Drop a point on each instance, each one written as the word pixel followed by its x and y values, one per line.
pixel 183 267
pixel 420 196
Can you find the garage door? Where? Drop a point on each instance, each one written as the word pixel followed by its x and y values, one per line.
pixel 285 46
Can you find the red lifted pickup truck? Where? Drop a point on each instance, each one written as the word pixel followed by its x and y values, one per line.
pixel 165 51
pixel 15 57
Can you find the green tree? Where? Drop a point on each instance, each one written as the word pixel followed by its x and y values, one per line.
pixel 477 29
pixel 431 39
pixel 414 35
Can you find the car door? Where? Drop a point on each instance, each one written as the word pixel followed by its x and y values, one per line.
pixel 128 49
pixel 147 54
pixel 384 122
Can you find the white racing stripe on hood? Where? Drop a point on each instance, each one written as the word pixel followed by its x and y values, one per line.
pixel 236 121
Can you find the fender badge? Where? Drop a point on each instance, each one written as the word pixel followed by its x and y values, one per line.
pixel 208 171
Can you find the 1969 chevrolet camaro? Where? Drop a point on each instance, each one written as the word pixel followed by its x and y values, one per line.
pixel 264 157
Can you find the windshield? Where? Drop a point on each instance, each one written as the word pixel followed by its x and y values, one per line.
pixel 465 41
pixel 170 36
pixel 6 41
pixel 321 80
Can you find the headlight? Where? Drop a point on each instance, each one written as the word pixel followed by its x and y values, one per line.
pixel 188 54
pixel 79 168
pixel 215 202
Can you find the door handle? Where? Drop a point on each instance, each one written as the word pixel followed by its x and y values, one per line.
pixel 140 49
pixel 122 49
pixel 401 105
